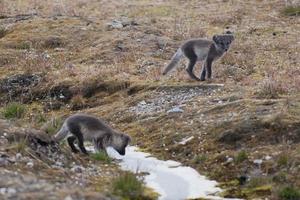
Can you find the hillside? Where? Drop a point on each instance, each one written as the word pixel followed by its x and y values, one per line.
pixel 105 58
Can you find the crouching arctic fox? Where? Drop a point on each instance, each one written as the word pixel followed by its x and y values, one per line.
pixel 82 127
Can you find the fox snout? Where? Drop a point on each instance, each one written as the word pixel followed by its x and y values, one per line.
pixel 122 152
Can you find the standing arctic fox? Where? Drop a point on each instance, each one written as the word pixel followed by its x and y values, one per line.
pixel 82 127
pixel 201 50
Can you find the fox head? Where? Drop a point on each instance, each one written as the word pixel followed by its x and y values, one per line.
pixel 224 41
pixel 120 141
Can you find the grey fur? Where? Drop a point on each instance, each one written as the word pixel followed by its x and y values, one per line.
pixel 82 127
pixel 174 61
pixel 201 50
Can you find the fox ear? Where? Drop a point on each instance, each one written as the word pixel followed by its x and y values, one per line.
pixel 215 38
pixel 129 139
pixel 231 38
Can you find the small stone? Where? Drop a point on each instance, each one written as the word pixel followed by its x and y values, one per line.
pixel 3 162
pixel 11 190
pixel 18 156
pixel 68 198
pixel 59 164
pixel 77 169
pixel 30 164
pixel 268 157
pixel 115 24
pixel 185 140
pixel 143 103
pixel 175 110
pixel 229 160
pixel 258 161
pixel 2 190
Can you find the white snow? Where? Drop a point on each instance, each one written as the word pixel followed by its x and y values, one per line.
pixel 168 178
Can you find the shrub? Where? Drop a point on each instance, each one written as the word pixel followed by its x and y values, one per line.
pixel 23 45
pixel 257 182
pixel 291 11
pixel 101 156
pixel 21 145
pixel 199 159
pixel 128 186
pixel 269 88
pixel 14 110
pixel 289 193
pixel 53 126
pixel 242 155
pixel 2 32
pixel 283 160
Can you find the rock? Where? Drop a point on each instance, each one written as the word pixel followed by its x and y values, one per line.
pixel 77 169
pixel 115 24
pixel 3 141
pixel 175 110
pixel 258 161
pixel 229 160
pixel 18 156
pixel 53 42
pixel 121 23
pixel 3 162
pixel 8 191
pixel 230 137
pixel 185 140
pixel 11 190
pixel 53 105
pixel 268 157
pixel 19 85
pixel 30 164
pixel 68 198
pixel 161 43
pixel 59 164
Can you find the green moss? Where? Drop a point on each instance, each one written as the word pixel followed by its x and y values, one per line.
pixel 281 177
pixel 2 32
pixel 128 186
pixel 283 160
pixel 289 193
pixel 256 182
pixel 292 11
pixel 157 11
pixel 53 125
pixel 199 159
pixel 23 45
pixel 14 110
pixel 101 156
pixel 242 155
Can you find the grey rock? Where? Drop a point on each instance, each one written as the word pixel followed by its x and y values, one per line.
pixel 30 164
pixel 175 110
pixel 77 169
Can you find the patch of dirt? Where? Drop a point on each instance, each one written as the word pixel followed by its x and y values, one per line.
pixel 19 86
pixel 32 165
pixel 105 58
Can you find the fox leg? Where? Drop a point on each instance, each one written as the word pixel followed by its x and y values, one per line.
pixel 203 72
pixel 208 66
pixel 71 141
pixel 190 68
pixel 80 144
pixel 190 54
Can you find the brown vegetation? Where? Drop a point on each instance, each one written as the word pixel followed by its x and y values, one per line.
pixel 72 60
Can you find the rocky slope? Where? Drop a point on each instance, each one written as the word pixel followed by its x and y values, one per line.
pixel 105 58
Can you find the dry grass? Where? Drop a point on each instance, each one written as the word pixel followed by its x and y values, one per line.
pixel 253 51
pixel 68 42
